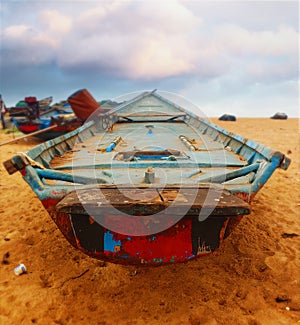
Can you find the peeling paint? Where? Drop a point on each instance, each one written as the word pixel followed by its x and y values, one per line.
pixel 111 245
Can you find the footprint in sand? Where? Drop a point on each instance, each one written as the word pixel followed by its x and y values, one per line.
pixel 281 263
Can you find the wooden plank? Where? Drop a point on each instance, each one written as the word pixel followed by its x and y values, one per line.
pixel 202 197
pixel 148 201
pixel 218 158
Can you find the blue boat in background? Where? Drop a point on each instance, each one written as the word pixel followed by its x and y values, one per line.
pixel 147 182
pixel 54 121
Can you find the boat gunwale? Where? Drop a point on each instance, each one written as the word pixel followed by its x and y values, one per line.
pixel 45 152
pixel 261 149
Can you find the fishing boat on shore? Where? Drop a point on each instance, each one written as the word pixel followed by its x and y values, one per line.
pixel 48 127
pixel 147 182
pixel 22 106
pixel 47 124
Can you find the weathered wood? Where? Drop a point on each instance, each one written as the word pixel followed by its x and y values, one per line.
pixel 148 201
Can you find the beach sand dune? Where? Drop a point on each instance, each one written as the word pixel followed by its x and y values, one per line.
pixel 253 279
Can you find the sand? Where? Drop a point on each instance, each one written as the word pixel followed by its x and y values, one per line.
pixel 253 279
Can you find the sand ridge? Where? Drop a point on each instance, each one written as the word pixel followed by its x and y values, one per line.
pixel 252 279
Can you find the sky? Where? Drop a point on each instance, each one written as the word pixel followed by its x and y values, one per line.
pixel 238 57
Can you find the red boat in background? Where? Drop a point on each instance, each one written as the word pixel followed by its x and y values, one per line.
pixel 48 122
pixel 29 103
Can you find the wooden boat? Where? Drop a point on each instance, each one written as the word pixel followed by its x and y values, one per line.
pixel 147 182
pixel 62 118
pixel 21 108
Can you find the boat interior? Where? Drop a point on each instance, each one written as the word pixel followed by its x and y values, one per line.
pixel 150 140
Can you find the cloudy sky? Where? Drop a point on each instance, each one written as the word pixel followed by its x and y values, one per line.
pixel 238 57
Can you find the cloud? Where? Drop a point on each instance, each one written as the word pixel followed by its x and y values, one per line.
pixel 16 32
pixel 55 22
pixel 22 45
pixel 240 41
pixel 151 63
pixel 249 15
pixel 223 48
pixel 144 41
pixel 93 17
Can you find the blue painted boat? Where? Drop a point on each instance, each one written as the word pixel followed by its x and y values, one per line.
pixel 62 117
pixel 148 182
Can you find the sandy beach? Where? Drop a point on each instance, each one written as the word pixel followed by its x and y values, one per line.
pixel 253 279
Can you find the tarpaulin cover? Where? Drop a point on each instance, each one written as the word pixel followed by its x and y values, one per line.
pixel 83 104
pixel 30 100
pixel 21 103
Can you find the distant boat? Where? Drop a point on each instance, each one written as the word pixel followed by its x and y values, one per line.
pixel 227 117
pixel 147 182
pixel 22 107
pixel 279 116
pixel 60 116
pixel 53 126
pixel 67 115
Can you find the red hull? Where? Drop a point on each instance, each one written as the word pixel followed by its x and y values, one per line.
pixel 186 239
